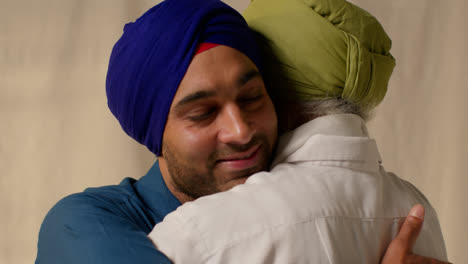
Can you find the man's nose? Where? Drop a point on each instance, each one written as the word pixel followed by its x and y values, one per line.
pixel 234 128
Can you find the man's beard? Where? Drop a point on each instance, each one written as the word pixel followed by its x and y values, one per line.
pixel 195 183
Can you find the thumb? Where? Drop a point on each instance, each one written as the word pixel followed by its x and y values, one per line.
pixel 410 229
pixel 400 247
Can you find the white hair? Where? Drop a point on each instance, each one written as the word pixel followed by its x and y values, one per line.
pixel 294 113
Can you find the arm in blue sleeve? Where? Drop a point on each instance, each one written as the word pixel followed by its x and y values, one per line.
pixel 80 229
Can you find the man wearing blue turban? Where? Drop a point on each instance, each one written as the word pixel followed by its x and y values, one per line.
pixel 186 73
pixel 184 80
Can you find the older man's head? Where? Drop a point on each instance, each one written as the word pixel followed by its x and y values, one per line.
pixel 321 57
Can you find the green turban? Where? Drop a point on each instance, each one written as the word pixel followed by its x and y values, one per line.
pixel 321 49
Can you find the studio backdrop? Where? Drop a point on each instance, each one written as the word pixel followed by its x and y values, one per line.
pixel 57 136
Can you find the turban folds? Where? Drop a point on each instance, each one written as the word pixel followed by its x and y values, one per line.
pixel 149 61
pixel 319 49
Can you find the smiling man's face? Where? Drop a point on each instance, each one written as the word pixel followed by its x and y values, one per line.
pixel 221 126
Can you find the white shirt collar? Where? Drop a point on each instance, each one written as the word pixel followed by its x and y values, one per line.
pixel 341 137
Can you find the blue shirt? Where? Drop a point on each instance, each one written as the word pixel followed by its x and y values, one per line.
pixel 108 224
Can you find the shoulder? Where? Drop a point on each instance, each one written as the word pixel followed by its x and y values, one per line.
pixel 88 227
pixel 403 190
pixel 106 200
pixel 101 204
pixel 244 211
pixel 100 225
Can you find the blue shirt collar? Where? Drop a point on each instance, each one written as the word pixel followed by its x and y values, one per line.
pixel 154 192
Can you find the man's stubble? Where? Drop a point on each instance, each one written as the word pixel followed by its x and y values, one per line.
pixel 196 183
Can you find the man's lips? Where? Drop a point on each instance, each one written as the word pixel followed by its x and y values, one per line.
pixel 241 155
pixel 241 160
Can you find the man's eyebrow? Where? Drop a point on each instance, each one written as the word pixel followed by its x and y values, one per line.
pixel 194 97
pixel 246 77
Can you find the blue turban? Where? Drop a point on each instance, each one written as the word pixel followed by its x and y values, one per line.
pixel 149 61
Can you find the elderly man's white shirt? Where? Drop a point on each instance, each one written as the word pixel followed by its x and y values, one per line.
pixel 327 199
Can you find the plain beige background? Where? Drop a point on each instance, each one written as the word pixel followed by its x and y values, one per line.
pixel 57 136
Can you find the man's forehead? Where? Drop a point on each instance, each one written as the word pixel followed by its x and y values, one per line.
pixel 220 59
